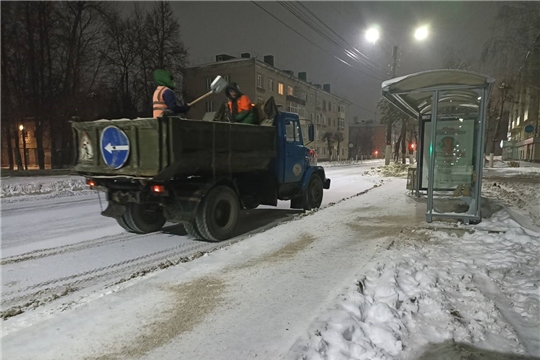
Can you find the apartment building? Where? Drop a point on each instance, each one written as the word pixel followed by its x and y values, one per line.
pixel 524 112
pixel 367 139
pixel 260 80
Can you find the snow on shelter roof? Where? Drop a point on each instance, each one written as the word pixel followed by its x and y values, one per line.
pixel 413 93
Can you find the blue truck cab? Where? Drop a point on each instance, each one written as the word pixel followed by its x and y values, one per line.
pixel 294 169
pixel 197 173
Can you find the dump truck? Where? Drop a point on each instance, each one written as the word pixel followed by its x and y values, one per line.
pixel 198 173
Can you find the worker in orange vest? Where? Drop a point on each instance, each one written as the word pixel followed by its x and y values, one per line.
pixel 164 97
pixel 239 104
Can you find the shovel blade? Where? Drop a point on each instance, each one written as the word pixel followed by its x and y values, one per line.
pixel 219 84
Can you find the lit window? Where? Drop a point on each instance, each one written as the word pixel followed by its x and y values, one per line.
pixel 280 88
pixel 290 91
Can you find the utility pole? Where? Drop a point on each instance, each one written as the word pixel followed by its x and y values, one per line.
pixel 388 152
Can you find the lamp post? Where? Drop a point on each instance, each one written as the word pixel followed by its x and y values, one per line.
pixel 23 136
pixel 372 35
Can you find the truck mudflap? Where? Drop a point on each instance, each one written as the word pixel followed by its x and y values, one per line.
pixel 326 184
pixel 114 210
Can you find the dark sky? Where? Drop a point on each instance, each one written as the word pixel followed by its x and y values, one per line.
pixel 210 28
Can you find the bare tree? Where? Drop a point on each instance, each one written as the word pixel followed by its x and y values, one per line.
pixel 328 136
pixel 457 60
pixel 515 34
pixel 338 139
pixel 390 115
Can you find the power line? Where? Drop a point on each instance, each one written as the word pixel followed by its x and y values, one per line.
pixel 315 44
pixel 298 13
pixel 335 33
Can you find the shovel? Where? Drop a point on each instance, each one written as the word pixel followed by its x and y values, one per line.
pixel 219 84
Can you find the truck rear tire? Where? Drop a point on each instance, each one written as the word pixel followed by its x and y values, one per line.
pixel 192 230
pixel 123 223
pixel 144 218
pixel 314 193
pixel 218 213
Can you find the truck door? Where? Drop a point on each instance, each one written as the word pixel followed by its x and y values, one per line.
pixel 295 152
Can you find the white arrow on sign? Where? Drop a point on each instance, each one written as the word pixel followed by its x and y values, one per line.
pixel 110 148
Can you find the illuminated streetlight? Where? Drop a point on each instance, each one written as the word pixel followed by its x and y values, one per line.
pixel 372 35
pixel 21 127
pixel 421 33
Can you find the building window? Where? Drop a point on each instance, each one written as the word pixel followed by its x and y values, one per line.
pixel 311 117
pixel 290 90
pixel 319 103
pixel 208 83
pixel 271 84
pixel 209 106
pixel 280 88
pixel 259 81
pixel 310 100
pixel 324 105
pixel 323 119
pixel 227 78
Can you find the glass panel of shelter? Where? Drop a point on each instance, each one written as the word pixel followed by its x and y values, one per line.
pixel 455 156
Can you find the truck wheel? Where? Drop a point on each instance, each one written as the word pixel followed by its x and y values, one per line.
pixel 192 231
pixel 218 214
pixel 250 203
pixel 144 218
pixel 314 193
pixel 123 223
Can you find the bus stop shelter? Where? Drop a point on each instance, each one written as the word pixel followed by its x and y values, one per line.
pixel 450 106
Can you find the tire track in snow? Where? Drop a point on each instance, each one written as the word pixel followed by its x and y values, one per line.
pixel 106 276
pixel 83 245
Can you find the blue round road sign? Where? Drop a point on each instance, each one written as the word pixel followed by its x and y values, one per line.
pixel 114 147
pixel 529 129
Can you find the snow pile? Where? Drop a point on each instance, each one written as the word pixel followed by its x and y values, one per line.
pixel 442 294
pixel 519 192
pixel 330 164
pixel 392 170
pixel 57 187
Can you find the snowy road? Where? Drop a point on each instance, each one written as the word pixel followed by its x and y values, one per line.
pixel 58 249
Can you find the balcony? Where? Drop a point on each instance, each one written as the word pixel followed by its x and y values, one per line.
pixel 302 113
pixel 294 99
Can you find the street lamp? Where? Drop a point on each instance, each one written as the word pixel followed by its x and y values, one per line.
pixel 421 33
pixel 372 35
pixel 25 156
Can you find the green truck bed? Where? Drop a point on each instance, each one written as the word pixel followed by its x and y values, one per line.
pixel 169 146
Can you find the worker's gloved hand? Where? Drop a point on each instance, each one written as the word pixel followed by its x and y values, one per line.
pixel 184 109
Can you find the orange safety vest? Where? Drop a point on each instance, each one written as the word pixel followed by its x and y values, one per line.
pixel 244 104
pixel 159 104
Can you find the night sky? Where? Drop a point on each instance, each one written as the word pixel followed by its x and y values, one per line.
pixel 210 28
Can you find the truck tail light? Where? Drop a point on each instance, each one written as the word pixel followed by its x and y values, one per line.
pixel 158 189
pixel 90 183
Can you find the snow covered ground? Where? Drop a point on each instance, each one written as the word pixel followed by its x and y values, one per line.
pixel 365 278
pixel 57 249
pixel 449 294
